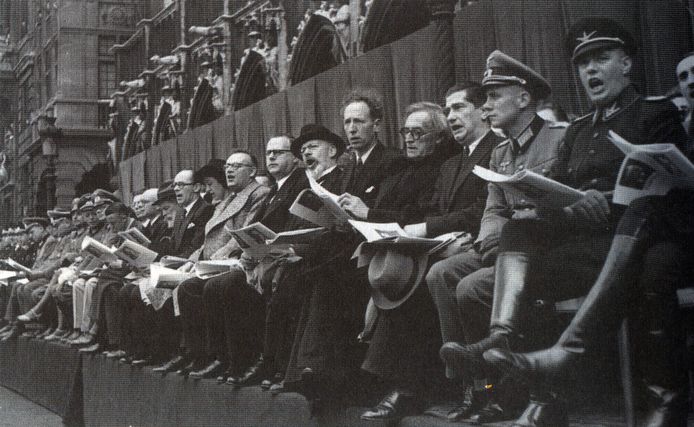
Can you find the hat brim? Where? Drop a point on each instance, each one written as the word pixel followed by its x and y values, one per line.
pixel 384 303
pixel 597 45
pixel 537 91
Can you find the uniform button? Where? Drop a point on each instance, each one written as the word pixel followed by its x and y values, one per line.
pixel 591 152
pixel 596 134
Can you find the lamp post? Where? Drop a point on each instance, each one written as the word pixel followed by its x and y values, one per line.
pixel 49 150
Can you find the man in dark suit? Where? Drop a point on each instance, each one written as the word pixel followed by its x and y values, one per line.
pixel 531 144
pixel 325 349
pixel 320 150
pixel 189 228
pixel 455 205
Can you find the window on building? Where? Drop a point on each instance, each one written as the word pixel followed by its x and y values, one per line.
pixel 107 79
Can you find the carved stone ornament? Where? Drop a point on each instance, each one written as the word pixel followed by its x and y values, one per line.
pixel 117 15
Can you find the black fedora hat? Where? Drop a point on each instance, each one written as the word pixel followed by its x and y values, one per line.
pixel 313 131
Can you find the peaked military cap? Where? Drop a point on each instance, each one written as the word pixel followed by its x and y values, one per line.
pixel 101 196
pixel 596 32
pixel 503 70
pixel 34 220
pixel 58 213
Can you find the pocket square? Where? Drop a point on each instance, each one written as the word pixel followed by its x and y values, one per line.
pixel 191 225
pixel 370 189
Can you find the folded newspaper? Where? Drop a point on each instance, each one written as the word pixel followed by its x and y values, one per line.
pixel 384 236
pixel 136 236
pixel 17 266
pixel 536 188
pixel 211 268
pixel 319 206
pixel 258 241
pixel 649 170
pixel 98 250
pixel 135 254
pixel 163 277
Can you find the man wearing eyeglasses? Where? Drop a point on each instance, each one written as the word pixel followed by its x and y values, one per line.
pixel 513 91
pixel 189 228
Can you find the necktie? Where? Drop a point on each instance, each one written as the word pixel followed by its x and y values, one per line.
pixel 466 151
pixel 273 193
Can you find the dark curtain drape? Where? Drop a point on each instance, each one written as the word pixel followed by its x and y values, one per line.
pixel 529 30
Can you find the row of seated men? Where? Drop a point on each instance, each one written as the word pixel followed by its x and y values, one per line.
pixel 459 320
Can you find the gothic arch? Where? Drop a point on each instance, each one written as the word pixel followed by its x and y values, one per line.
pixel 318 49
pixel 250 85
pixel 390 20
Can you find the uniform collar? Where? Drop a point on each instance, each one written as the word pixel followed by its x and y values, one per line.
pixel 525 137
pixel 627 97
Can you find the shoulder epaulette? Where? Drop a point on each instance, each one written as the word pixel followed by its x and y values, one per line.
pixel 579 119
pixel 655 98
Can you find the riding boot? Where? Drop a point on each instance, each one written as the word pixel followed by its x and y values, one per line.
pixel 509 297
pixel 600 312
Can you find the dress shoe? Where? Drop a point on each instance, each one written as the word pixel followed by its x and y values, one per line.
pixel 466 360
pixel 46 332
pixel 267 383
pixel 127 359
pixel 27 317
pixel 209 371
pixel 253 375
pixel 141 360
pixel 173 364
pixel 12 333
pixel 547 411
pixel 224 376
pixel 115 354
pixel 90 349
pixel 277 388
pixel 56 335
pixel 73 335
pixel 31 333
pixel 84 340
pixel 195 365
pixel 394 406
pixel 472 402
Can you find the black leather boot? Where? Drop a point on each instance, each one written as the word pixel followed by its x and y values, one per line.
pixel 598 313
pixel 509 288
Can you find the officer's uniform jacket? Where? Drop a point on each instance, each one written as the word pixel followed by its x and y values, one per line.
pixel 536 148
pixel 589 160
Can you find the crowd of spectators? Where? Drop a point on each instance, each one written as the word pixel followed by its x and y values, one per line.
pixel 308 319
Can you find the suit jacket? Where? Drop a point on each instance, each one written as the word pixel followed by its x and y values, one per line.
pixel 382 162
pixel 274 213
pixel 189 230
pixel 405 196
pixel 159 233
pixel 459 195
pixel 236 211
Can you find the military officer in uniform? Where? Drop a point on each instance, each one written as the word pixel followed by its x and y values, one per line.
pixel 557 254
pixel 513 93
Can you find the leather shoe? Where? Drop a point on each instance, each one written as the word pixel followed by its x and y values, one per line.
pixel 395 405
pixel 253 375
pixel 73 335
pixel 465 360
pixel 172 365
pixel 141 360
pixel 86 339
pixel 267 383
pixel 56 335
pixel 13 333
pixel 208 371
pixel 224 376
pixel 195 365
pixel 277 388
pixel 27 317
pixel 90 349
pixel 472 402
pixel 549 412
pixel 115 354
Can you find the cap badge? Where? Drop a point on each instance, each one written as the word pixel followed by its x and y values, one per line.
pixel 586 37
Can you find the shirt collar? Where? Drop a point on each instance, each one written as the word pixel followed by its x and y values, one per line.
pixel 281 181
pixel 627 97
pixel 190 206
pixel 366 155
pixel 475 143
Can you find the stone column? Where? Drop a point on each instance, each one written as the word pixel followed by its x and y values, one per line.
pixel 442 13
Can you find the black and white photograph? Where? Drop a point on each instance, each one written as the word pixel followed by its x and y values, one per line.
pixel 539 152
